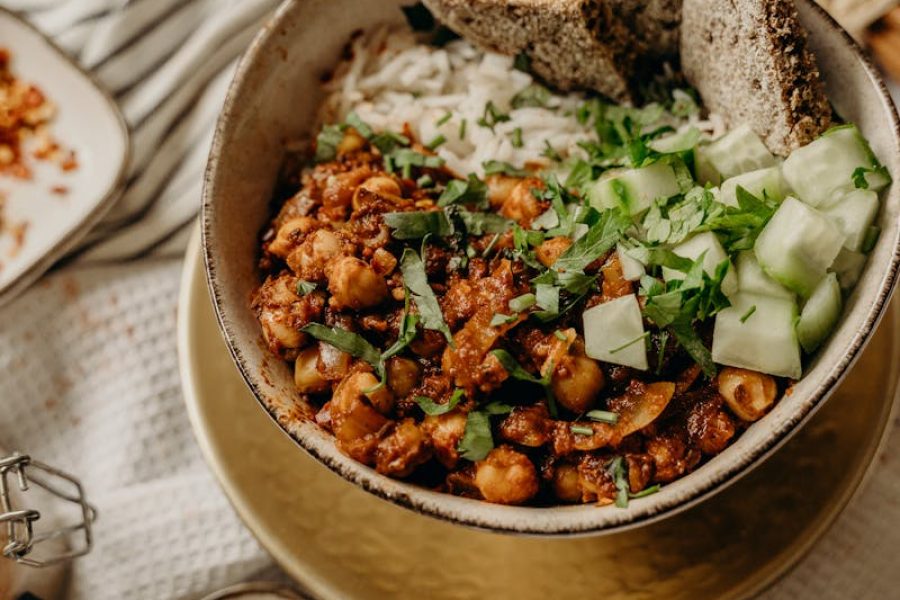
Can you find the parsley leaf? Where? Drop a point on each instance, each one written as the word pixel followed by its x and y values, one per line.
pixel 601 236
pixel 346 341
pixel 534 95
pixel 494 167
pixel 361 127
pixel 516 371
pixel 471 191
pixel 405 159
pixel 327 142
pixel 433 409
pixel 477 441
pixel 417 224
pixel 619 473
pixel 492 116
pixel 416 280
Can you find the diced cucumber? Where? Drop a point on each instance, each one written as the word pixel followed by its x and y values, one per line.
pixel 752 279
pixel 797 246
pixel 738 151
pixel 632 268
pixel 768 182
pixel 757 332
pixel 848 267
pixel 614 333
pixel 822 171
pixel 635 189
pixel 677 142
pixel 708 243
pixel 820 314
pixel 853 214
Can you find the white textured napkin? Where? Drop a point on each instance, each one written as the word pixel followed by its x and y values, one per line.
pixel 88 367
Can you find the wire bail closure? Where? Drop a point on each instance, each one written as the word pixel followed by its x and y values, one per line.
pixel 22 470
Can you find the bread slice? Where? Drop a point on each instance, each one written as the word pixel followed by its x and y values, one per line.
pixel 571 43
pixel 750 62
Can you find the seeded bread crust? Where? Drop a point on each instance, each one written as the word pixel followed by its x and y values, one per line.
pixel 750 62
pixel 572 43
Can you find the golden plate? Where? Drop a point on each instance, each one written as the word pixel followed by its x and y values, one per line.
pixel 340 542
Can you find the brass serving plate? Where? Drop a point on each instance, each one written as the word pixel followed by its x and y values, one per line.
pixel 340 542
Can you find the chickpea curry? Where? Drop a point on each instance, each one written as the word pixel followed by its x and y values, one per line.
pixel 444 333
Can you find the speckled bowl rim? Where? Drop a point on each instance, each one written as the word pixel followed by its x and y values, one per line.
pixel 464 511
pixel 69 239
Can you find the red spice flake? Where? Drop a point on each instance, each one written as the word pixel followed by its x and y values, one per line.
pixel 59 190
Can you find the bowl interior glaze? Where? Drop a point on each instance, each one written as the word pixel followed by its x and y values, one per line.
pixel 274 98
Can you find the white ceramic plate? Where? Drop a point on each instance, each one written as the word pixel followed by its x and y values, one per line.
pixel 88 122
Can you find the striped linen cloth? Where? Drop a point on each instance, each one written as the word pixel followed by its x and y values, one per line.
pixel 88 367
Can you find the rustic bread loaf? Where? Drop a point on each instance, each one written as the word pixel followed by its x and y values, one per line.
pixel 750 62
pixel 571 43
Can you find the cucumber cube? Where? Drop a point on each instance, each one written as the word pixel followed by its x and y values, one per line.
pixel 797 246
pixel 757 332
pixel 820 313
pixel 760 182
pixel 738 151
pixel 848 267
pixel 708 245
pixel 822 171
pixel 613 333
pixel 635 189
pixel 853 214
pixel 632 268
pixel 752 279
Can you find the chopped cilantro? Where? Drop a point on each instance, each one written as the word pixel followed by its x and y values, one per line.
pixel 305 287
pixel 433 409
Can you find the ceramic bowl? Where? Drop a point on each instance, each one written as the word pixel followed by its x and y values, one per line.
pixel 48 214
pixel 274 98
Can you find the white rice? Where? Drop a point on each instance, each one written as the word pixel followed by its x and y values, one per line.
pixel 393 80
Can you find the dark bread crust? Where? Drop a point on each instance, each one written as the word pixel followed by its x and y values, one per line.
pixel 572 43
pixel 750 62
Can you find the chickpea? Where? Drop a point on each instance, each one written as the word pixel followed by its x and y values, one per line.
pixel 311 257
pixel 506 477
pixel 402 375
pixel 275 300
pixel 333 364
pixel 445 432
pixel 351 142
pixel 354 284
pixel 306 376
pixel 748 394
pixel 565 483
pixel 499 188
pixel 404 449
pixel 379 185
pixel 550 250
pixel 288 235
pixel 576 383
pixel 521 205
pixel 352 416
pixel 383 262
pixel 381 397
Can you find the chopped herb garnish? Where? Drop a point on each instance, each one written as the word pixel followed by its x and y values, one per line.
pixel 437 142
pixel 495 167
pixel 747 314
pixel 860 181
pixel 305 287
pixel 359 125
pixel 522 62
pixel 433 409
pixel 500 319
pixel 327 143
pixel 477 441
pixel 346 341
pixel 560 335
pixel 425 181
pixel 645 492
pixel 447 116
pixel 417 224
pixel 416 280
pixel 388 141
pixel 462 129
pixel 639 338
pixel 471 191
pixel 550 152
pixel 490 246
pixel 533 95
pixel 515 370
pixel 522 303
pixel 492 116
pixel 603 416
pixel 581 430
pixel 405 159
pixel 517 138
pixel 619 473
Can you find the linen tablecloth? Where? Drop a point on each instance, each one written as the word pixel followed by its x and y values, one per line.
pixel 88 367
